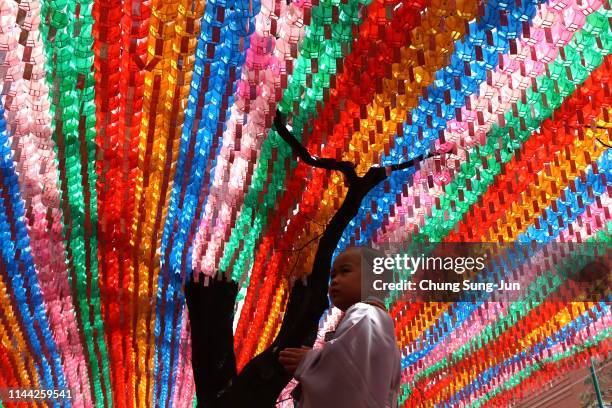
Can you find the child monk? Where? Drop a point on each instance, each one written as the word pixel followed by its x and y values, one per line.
pixel 360 365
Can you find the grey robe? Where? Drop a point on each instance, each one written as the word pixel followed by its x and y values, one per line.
pixel 359 368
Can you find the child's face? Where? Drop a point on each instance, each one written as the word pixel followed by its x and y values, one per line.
pixel 345 286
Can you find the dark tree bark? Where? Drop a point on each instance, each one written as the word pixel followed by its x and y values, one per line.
pixel 210 307
pixel 605 144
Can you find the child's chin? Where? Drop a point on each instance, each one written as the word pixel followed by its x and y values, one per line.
pixel 341 305
pixel 336 302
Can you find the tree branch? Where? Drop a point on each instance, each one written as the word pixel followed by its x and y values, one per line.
pixel 599 140
pixel 347 168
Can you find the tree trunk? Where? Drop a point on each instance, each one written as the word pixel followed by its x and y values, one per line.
pixel 263 378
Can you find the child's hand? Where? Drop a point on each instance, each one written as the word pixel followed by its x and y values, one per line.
pixel 290 358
